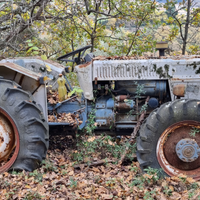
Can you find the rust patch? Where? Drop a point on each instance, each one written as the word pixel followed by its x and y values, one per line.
pixel 122 97
pixel 4 166
pixel 123 106
pixel 1 139
pixel 85 65
pixel 95 81
pixel 180 57
pixel 7 147
pixel 176 79
pixel 179 90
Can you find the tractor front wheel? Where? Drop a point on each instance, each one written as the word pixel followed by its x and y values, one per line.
pixel 170 139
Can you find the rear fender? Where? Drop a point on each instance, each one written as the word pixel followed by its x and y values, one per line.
pixel 28 80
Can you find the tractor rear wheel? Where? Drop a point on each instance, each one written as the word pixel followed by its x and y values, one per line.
pixel 24 137
pixel 170 138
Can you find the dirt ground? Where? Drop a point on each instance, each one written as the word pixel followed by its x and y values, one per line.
pixel 60 178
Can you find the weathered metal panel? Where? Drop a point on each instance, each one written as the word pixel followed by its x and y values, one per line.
pixel 180 69
pixel 28 80
pixel 29 61
pixel 145 69
pixel 192 87
pixel 130 70
pixel 40 96
pixel 38 66
pixel 21 70
pixel 84 74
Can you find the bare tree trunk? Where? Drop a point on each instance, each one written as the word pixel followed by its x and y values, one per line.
pixel 186 27
pixel 93 35
pixel 92 43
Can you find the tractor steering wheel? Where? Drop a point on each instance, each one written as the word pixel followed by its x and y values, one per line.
pixel 77 60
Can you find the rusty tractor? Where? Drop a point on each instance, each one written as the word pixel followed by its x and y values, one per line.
pixel 115 89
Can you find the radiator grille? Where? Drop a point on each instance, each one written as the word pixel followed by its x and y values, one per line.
pixel 123 71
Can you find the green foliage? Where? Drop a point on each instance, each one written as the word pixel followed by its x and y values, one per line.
pixel 143 108
pixel 37 175
pixel 64 172
pixel 72 77
pixel 5 184
pixel 79 23
pixel 193 131
pixel 76 90
pixel 155 173
pixel 122 28
pixel 100 146
pixel 90 126
pixel 183 178
pixel 149 195
pixel 32 195
pixel 44 57
pixel 194 186
pixel 191 194
pixel 111 182
pixel 9 194
pixel 48 166
pixel 192 189
pixel 73 183
pixel 140 181
pixel 17 172
pixel 167 191
pixel 139 90
pixel 183 24
pixel 33 50
pixel 134 168
pixel 193 49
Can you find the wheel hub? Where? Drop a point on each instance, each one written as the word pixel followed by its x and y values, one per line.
pixel 7 137
pixel 178 152
pixel 187 150
pixel 9 141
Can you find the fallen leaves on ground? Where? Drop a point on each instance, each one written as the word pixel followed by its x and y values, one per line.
pixel 57 179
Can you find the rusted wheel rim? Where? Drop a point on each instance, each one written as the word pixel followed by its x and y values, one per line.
pixel 166 149
pixel 9 141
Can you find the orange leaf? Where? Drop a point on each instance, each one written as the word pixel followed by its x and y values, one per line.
pixel 28 186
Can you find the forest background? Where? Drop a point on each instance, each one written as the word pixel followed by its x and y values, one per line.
pixel 113 27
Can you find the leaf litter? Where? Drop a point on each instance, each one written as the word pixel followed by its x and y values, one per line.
pixel 59 179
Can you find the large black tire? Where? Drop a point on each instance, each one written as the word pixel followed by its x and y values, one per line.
pixel 31 127
pixel 158 122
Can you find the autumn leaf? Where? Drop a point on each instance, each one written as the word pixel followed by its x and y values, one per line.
pixel 91 139
pixel 48 68
pixel 190 180
pixel 44 57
